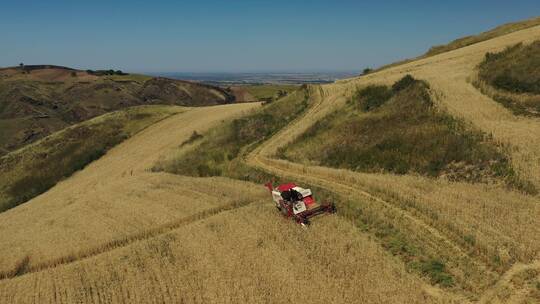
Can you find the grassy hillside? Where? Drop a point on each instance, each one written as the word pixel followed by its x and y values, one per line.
pixel 496 32
pixel 270 91
pixel 409 106
pixel 399 130
pixel 216 151
pixel 470 40
pixel 512 77
pixel 38 100
pixel 262 92
pixel 35 168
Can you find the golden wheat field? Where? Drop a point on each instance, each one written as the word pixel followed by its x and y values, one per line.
pixel 483 230
pixel 116 232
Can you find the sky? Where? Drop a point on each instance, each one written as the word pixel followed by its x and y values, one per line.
pixel 239 36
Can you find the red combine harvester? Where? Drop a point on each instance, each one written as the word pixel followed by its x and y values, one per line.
pixel 298 203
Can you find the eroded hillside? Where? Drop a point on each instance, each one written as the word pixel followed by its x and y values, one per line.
pixel 36 101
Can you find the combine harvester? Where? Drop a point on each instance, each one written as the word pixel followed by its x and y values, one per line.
pixel 298 203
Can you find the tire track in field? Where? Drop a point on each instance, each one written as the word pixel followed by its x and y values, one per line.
pixel 23 268
pixel 505 279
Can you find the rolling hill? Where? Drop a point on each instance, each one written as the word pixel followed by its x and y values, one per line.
pixel 36 101
pixel 177 213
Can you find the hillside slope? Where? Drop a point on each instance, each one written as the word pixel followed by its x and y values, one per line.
pixel 116 225
pixel 37 167
pixel 38 100
pixel 479 231
pixel 116 232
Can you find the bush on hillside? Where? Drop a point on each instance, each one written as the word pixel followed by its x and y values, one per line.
pixel 367 71
pixel 194 137
pixel 512 78
pixel 403 83
pixel 373 97
pixel 399 130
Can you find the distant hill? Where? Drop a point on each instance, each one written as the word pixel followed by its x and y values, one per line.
pixel 37 100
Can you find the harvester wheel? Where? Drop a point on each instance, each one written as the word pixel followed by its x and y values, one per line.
pixel 284 211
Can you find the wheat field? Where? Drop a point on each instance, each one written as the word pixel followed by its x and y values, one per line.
pixel 116 232
pixel 485 231
pixel 233 257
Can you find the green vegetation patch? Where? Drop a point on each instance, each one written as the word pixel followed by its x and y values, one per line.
pixel 219 149
pixel 516 69
pixel 512 77
pixel 34 169
pixel 399 130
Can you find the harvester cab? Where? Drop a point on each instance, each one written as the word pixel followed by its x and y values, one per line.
pixel 298 203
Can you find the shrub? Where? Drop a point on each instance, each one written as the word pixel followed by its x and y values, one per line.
pixel 436 271
pixel 516 69
pixel 403 83
pixel 194 137
pixel 512 78
pixel 373 97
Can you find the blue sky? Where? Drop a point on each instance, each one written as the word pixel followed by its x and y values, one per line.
pixel 239 36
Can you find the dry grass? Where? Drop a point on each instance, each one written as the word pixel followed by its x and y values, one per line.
pixel 237 256
pixel 89 209
pixel 400 131
pixel 512 78
pixel 112 235
pixel 480 230
pixel 449 75
pixel 520 104
pixel 35 168
pixel 496 32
